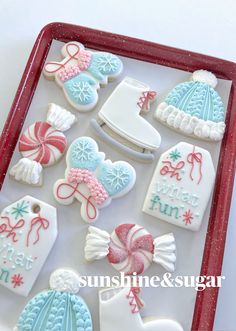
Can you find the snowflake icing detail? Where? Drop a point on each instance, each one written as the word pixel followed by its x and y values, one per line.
pixel 188 217
pixel 107 63
pixel 20 209
pixel 117 177
pixel 81 91
pixel 175 154
pixel 83 151
pixel 17 280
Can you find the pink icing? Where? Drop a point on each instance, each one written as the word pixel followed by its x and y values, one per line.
pixel 96 189
pixel 130 250
pixel 84 59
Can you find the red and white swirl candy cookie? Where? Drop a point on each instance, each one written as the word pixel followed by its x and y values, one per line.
pixel 42 145
pixel 130 248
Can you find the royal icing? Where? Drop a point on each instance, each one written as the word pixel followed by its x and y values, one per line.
pixel 120 310
pixel 195 108
pixel 28 230
pixel 181 186
pixel 130 248
pixel 42 144
pixel 139 138
pixel 81 73
pixel 91 179
pixel 58 308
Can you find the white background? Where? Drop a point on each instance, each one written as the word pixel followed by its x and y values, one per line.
pixel 204 26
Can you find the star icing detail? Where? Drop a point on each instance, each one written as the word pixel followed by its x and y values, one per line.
pixel 117 177
pixel 17 280
pixel 81 91
pixel 188 217
pixel 175 155
pixel 83 151
pixel 107 63
pixel 20 209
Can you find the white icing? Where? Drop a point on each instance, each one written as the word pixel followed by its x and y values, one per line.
pixel 205 76
pixel 137 130
pixel 27 171
pixel 97 244
pixel 116 314
pixel 180 197
pixel 22 258
pixel 65 280
pixel 60 118
pixel 164 251
pixel 190 125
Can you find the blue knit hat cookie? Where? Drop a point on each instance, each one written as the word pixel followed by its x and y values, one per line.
pixel 195 108
pixel 57 309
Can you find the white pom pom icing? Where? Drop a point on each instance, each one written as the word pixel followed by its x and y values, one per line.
pixel 164 251
pixel 27 171
pixel 65 280
pixel 206 77
pixel 60 118
pixel 97 244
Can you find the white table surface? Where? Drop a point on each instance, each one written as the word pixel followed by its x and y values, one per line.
pixel 207 27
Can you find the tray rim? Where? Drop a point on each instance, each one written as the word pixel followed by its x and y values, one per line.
pixel 205 305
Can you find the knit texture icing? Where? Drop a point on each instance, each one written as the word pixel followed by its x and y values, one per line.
pixel 55 311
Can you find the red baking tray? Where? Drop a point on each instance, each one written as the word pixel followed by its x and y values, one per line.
pixel 205 305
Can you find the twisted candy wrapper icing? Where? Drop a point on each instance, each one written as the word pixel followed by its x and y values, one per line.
pixel 130 248
pixel 42 144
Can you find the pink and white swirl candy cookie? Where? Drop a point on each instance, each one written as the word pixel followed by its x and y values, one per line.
pixel 42 145
pixel 91 179
pixel 131 248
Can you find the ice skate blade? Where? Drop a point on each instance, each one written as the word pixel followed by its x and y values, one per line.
pixel 133 154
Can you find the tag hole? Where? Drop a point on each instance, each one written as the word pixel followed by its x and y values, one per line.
pixel 36 209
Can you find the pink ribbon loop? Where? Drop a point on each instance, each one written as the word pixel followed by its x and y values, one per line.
pixel 39 223
pixel 10 229
pixel 145 99
pixel 195 158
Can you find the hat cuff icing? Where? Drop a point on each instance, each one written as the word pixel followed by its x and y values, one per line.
pixel 189 125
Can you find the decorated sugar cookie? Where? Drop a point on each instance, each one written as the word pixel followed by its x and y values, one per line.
pixel 42 145
pixel 81 73
pixel 195 108
pixel 91 179
pixel 181 186
pixel 138 138
pixel 130 248
pixel 120 310
pixel 58 308
pixel 28 230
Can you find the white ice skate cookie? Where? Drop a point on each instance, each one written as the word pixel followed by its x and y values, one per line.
pixel 28 230
pixel 120 124
pixel 81 73
pixel 91 179
pixel 42 144
pixel 194 108
pixel 181 186
pixel 119 310
pixel 58 308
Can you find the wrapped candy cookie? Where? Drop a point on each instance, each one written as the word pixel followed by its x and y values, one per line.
pixel 28 230
pixel 42 145
pixel 120 310
pixel 91 179
pixel 81 73
pixel 130 248
pixel 194 108
pixel 58 308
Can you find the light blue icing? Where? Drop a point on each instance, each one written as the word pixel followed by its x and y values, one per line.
pixel 83 153
pixel 104 65
pixel 197 99
pixel 115 177
pixel 81 89
pixel 55 311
